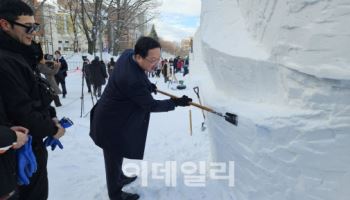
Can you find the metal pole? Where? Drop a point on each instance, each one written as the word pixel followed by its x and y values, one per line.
pixel 44 31
pixel 190 118
pixel 100 37
pixel 51 31
pixel 94 33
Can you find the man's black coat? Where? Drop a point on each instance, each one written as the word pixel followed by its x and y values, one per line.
pixel 62 72
pixel 97 73
pixel 119 121
pixel 7 160
pixel 23 102
pixel 20 92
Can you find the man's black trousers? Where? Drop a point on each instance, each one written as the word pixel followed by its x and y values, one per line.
pixel 113 165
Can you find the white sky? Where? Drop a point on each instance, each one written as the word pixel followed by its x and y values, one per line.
pixel 178 19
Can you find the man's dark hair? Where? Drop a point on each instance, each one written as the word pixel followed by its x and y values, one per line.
pixel 10 10
pixel 58 52
pixel 144 44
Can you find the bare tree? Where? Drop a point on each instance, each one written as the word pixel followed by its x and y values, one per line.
pixel 35 6
pixel 122 17
pixel 74 9
pixel 90 16
pixel 126 15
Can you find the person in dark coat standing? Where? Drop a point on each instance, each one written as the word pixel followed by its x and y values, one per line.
pixel 25 101
pixel 61 75
pixel 110 67
pixel 166 70
pixel 86 72
pixel 98 75
pixel 119 121
pixel 10 139
pixel 176 59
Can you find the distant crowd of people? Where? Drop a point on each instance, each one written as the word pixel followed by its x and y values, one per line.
pixel 168 68
pixel 96 72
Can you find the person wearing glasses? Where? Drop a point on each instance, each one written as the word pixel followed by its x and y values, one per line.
pixel 20 90
pixel 119 121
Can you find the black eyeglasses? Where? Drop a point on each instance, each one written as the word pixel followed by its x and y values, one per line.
pixel 29 28
pixel 153 62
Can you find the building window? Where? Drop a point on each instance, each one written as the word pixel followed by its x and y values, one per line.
pixel 59 42
pixel 67 49
pixel 67 42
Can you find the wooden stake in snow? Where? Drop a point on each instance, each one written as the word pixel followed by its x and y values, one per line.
pixel 190 113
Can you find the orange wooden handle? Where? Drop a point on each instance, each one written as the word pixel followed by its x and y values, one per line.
pixel 191 103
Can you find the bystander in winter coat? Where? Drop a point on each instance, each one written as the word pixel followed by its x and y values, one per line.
pixel 27 105
pixel 7 158
pixel 61 75
pixel 98 75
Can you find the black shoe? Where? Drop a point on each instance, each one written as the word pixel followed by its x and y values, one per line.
pixel 64 95
pixel 127 180
pixel 129 196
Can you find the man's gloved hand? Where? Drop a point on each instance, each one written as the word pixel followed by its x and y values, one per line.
pixel 26 163
pixel 153 88
pixel 53 142
pixel 183 101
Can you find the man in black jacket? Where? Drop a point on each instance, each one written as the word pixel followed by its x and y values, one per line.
pixel 86 73
pixel 119 121
pixel 61 75
pixel 24 98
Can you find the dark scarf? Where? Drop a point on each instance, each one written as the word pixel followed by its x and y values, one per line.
pixel 32 54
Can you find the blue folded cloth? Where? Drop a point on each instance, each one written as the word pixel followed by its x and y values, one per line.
pixel 66 122
pixel 26 163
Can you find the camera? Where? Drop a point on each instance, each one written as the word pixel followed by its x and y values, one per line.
pixel 48 57
pixel 49 60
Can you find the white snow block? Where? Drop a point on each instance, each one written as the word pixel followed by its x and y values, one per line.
pixel 283 67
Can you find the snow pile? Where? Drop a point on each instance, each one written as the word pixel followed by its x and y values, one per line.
pixel 282 67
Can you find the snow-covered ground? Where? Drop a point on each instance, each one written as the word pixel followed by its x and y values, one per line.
pixel 77 171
